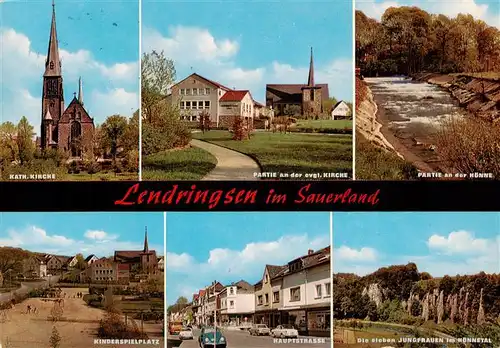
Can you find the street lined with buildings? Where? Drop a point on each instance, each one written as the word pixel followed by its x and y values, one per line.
pixel 297 294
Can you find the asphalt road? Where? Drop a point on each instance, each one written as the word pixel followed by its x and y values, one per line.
pixel 242 339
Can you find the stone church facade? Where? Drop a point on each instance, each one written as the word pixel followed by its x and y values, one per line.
pixel 68 129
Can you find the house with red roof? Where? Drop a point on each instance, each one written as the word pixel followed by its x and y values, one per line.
pixel 196 94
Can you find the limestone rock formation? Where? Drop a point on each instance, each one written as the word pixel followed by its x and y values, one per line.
pixel 480 314
pixel 425 307
pixel 374 293
pixel 440 307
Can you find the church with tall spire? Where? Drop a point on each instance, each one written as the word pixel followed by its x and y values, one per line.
pixel 308 97
pixel 141 262
pixel 68 129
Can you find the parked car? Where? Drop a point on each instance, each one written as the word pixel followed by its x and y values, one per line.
pixel 186 333
pixel 283 331
pixel 212 338
pixel 259 330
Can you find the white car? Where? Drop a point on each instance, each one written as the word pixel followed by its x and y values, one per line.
pixel 283 331
pixel 259 329
pixel 186 333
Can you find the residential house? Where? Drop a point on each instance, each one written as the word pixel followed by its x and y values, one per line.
pixel 236 104
pixel 212 303
pixel 35 267
pixel 71 262
pixel 268 298
pixel 91 259
pixel 341 111
pixel 307 292
pixel 102 271
pixel 198 307
pixel 309 97
pixel 237 304
pixel 56 264
pixel 206 305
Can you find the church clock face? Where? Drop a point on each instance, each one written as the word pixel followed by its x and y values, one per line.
pixel 52 87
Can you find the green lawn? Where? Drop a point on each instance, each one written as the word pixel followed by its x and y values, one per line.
pixel 324 124
pixel 190 163
pixel 291 153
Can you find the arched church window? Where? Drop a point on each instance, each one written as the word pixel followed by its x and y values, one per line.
pixel 51 103
pixel 51 65
pixel 78 116
pixel 76 130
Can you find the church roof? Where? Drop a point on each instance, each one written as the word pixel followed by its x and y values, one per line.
pixel 75 105
pixel 53 63
pixel 292 92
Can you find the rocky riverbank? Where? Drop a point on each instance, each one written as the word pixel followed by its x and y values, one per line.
pixel 366 118
pixel 479 95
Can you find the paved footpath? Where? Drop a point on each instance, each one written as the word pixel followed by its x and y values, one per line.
pixel 242 339
pixel 231 165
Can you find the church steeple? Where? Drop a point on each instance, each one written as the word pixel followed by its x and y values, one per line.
pixel 310 81
pixel 53 63
pixel 146 247
pixel 80 91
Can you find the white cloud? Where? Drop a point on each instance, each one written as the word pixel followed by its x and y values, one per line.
pixel 189 44
pixel 246 263
pixel 375 9
pixel 115 101
pixel 458 242
pixel 197 50
pixel 364 254
pixel 100 243
pixel 21 86
pixel 459 252
pixel 99 235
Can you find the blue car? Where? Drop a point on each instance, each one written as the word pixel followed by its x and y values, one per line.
pixel 212 338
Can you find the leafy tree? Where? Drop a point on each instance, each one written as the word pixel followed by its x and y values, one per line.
pixel 239 132
pixel 8 145
pixel 11 260
pixel 158 75
pixel 113 130
pixel 80 261
pixel 55 338
pixel 25 144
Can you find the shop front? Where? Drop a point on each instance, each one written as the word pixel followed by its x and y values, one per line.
pixel 318 321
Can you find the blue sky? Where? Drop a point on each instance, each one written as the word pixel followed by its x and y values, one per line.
pixel 97 40
pixel 487 10
pixel 248 44
pixel 86 233
pixel 439 243
pixel 227 247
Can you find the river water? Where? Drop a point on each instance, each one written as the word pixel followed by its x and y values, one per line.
pixel 412 112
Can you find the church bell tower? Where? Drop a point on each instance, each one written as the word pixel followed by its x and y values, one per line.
pixel 52 94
